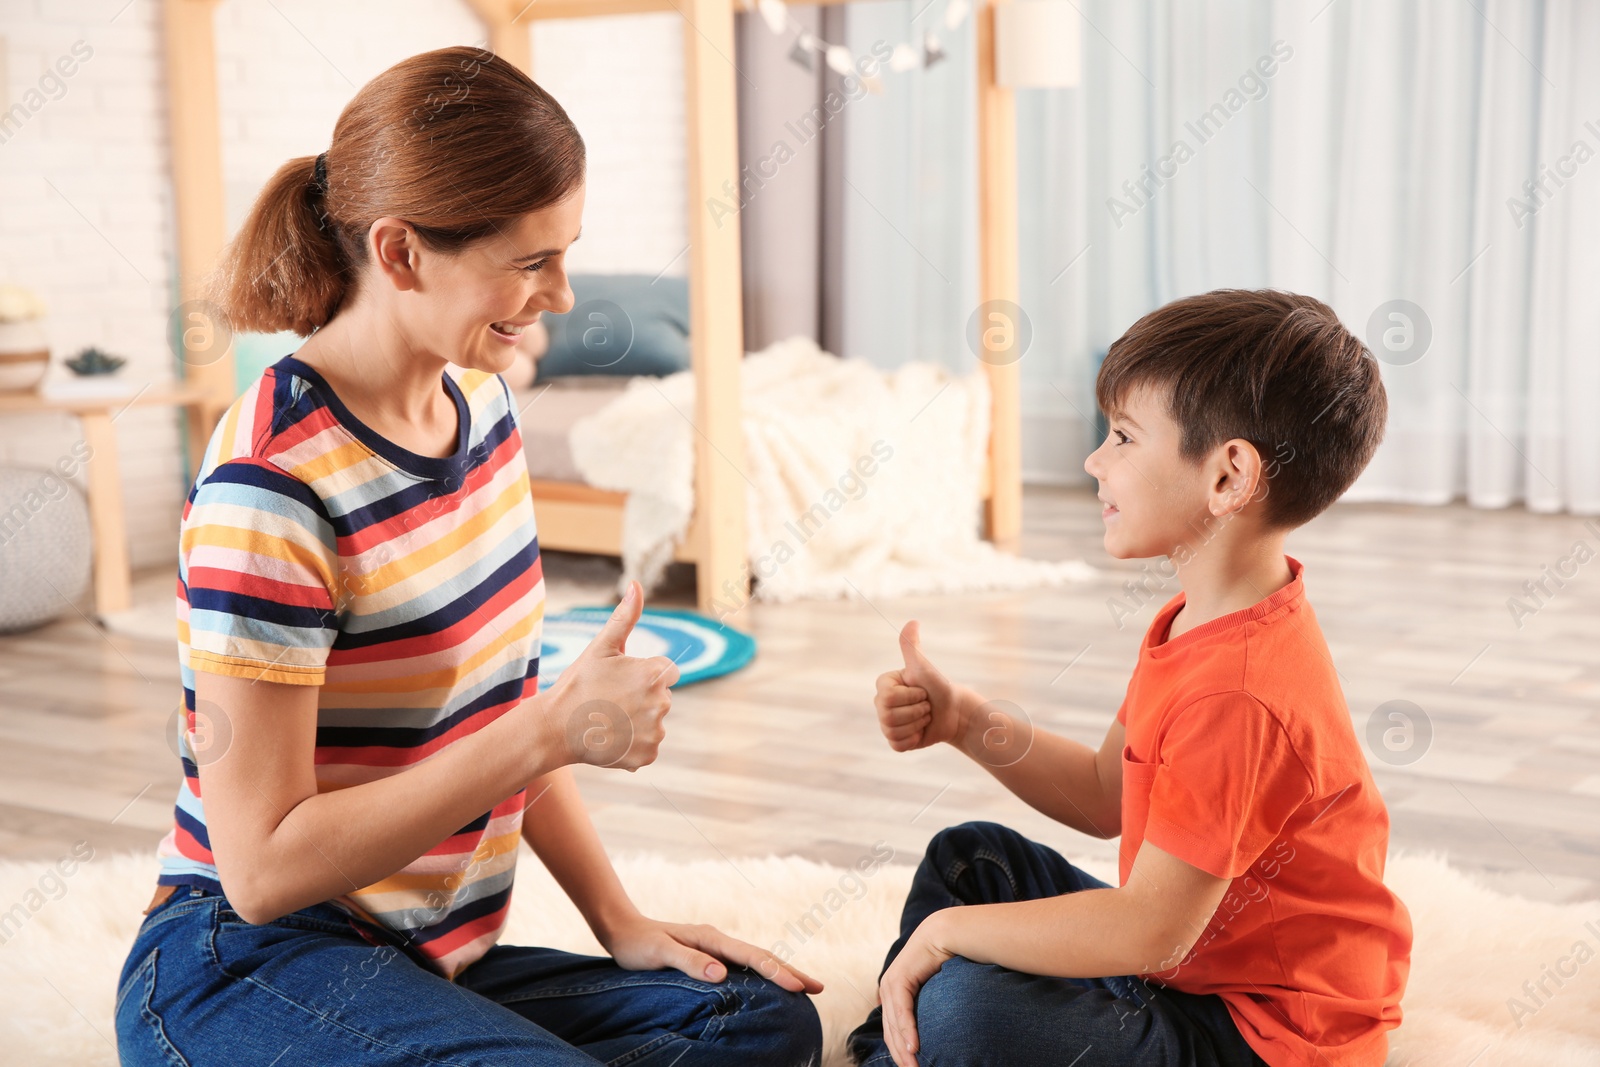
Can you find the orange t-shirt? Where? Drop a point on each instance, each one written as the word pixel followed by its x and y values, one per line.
pixel 1241 759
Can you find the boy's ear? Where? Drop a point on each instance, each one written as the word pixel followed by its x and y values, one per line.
pixel 1237 477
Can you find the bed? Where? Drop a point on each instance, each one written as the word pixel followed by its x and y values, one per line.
pixel 572 515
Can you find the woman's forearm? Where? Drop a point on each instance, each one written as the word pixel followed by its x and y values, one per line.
pixel 337 841
pixel 558 828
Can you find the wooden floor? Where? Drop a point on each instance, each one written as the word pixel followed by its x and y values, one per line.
pixel 784 756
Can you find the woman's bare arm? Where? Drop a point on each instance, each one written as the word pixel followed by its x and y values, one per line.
pixel 280 845
pixel 558 828
pixel 281 841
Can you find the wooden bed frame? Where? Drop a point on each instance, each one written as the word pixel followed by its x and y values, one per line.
pixel 579 517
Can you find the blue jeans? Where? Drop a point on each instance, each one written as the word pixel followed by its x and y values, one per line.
pixel 971 1014
pixel 201 986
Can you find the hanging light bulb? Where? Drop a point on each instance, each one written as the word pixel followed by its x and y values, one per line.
pixel 801 56
pixel 903 58
pixel 932 50
pixel 775 13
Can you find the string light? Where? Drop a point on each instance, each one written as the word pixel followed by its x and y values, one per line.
pixel 906 56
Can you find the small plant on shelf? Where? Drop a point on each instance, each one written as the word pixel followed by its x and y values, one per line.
pixel 92 361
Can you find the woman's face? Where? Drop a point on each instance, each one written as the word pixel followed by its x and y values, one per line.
pixel 478 302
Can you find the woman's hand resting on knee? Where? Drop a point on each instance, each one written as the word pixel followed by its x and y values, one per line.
pixel 698 951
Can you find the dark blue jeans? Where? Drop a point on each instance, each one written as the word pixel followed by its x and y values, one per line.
pixel 971 1014
pixel 201 986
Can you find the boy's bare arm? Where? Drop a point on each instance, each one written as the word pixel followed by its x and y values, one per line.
pixel 1067 780
pixel 1147 926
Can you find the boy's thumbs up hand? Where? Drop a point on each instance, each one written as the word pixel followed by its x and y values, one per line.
pixel 608 705
pixel 917 705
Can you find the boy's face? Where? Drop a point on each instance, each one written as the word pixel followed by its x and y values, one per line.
pixel 1153 499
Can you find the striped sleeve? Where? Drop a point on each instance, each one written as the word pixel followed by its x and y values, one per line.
pixel 260 563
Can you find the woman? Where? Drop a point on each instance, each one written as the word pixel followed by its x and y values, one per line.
pixel 359 606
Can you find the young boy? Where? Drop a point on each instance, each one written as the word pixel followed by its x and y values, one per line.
pixel 1251 924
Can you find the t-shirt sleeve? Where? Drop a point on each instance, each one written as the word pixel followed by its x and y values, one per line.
pixel 260 564
pixel 1226 783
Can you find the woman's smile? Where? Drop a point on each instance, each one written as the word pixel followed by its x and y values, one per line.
pixel 508 331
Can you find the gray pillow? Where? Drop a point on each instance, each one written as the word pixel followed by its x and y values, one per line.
pixel 620 324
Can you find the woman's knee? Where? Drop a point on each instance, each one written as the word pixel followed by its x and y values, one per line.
pixel 781 1026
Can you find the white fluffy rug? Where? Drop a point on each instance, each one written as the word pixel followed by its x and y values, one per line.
pixel 859 481
pixel 60 954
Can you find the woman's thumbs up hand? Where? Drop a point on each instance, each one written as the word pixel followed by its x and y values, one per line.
pixel 610 706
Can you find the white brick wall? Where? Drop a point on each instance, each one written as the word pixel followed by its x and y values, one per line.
pixel 621 80
pixel 86 222
pixel 98 247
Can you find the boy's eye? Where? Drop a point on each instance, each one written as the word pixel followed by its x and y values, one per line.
pixel 1121 437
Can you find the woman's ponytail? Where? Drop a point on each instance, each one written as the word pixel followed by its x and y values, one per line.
pixel 457 141
pixel 284 270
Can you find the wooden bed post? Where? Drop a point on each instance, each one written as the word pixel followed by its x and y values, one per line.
pixel 589 518
pixel 997 280
pixel 716 318
pixel 508 40
pixel 193 118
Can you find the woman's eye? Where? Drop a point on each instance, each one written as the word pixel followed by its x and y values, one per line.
pixel 536 266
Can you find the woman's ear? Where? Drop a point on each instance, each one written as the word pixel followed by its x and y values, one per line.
pixel 1237 477
pixel 393 247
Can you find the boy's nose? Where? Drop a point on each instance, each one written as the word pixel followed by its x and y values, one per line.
pixel 1091 463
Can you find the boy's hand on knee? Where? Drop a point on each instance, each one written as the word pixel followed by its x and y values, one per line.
pixel 918 705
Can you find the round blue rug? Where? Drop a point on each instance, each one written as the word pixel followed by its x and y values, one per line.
pixel 701 646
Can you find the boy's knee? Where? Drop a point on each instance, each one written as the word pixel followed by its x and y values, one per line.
pixel 960 847
pixel 954 1012
pixel 969 837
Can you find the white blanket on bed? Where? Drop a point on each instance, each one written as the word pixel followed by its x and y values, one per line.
pixel 858 482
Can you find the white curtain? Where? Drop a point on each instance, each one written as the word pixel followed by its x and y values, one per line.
pixel 1363 151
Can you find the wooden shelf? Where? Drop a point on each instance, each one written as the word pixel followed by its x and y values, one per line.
pixel 175 394
pixel 107 517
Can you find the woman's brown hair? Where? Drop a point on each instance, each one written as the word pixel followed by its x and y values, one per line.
pixel 458 142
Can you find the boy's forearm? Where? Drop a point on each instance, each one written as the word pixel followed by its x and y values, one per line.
pixel 1088 934
pixel 1052 774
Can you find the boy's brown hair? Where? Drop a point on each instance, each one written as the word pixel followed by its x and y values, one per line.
pixel 1276 369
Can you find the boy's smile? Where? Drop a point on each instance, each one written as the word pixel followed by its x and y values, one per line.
pixel 1153 498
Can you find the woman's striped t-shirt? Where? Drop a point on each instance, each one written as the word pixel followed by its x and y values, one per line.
pixel 409 588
